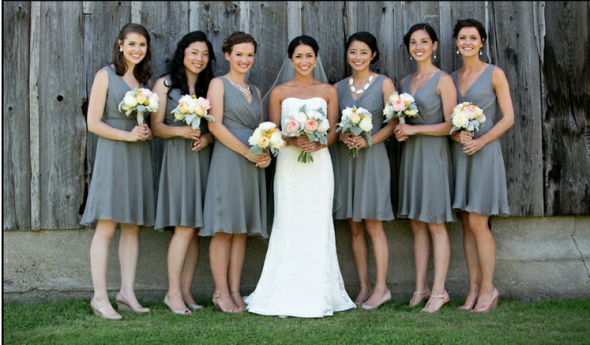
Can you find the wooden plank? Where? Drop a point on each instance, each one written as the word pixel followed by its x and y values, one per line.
pixel 514 49
pixel 136 12
pixel 294 10
pixel 60 117
pixel 567 120
pixel 165 34
pixel 267 26
pixel 193 14
pixel 101 27
pixel 16 173
pixel 34 121
pixel 322 20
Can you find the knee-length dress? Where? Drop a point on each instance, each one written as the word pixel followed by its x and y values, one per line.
pixel 426 177
pixel 365 180
pixel 122 188
pixel 183 178
pixel 480 178
pixel 235 201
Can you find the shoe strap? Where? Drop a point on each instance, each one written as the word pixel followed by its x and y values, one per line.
pixel 217 295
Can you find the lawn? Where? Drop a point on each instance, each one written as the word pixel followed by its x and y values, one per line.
pixel 515 322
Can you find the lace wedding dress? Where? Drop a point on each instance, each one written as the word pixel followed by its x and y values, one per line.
pixel 301 276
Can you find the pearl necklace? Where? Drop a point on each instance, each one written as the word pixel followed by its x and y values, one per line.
pixel 358 92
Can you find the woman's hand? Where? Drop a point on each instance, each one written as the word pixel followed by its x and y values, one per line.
pixel 257 158
pixel 473 145
pixel 305 144
pixel 462 137
pixel 403 131
pixel 265 161
pixel 139 133
pixel 189 133
pixel 355 141
pixel 202 142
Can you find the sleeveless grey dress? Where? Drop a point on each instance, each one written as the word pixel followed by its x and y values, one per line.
pixel 480 179
pixel 426 177
pixel 122 188
pixel 183 178
pixel 235 201
pixel 364 181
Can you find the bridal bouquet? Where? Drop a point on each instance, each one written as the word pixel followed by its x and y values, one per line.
pixel 400 106
pixel 191 110
pixel 139 101
pixel 356 121
pixel 467 116
pixel 312 123
pixel 266 136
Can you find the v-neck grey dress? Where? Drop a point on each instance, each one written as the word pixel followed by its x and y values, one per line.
pixel 122 188
pixel 364 181
pixel 183 178
pixel 426 177
pixel 235 201
pixel 480 179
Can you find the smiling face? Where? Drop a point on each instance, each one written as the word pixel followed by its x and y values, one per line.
pixel 241 57
pixel 303 59
pixel 359 55
pixel 469 41
pixel 134 47
pixel 196 57
pixel 421 46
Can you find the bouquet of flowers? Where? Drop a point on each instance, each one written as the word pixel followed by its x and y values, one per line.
pixel 356 121
pixel 266 136
pixel 139 101
pixel 191 110
pixel 400 106
pixel 311 123
pixel 467 116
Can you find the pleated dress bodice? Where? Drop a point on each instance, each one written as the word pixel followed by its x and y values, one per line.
pixel 425 180
pixel 364 181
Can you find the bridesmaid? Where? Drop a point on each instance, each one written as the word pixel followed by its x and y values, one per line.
pixel 121 190
pixel 366 201
pixel 478 164
pixel 184 167
pixel 235 202
pixel 425 173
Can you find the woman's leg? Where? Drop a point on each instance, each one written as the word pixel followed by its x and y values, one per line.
pixel 442 256
pixel 360 255
pixel 472 261
pixel 188 270
pixel 219 253
pixel 381 256
pixel 421 258
pixel 128 250
pixel 486 251
pixel 99 258
pixel 177 253
pixel 236 261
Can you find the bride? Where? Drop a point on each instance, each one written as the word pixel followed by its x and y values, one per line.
pixel 301 276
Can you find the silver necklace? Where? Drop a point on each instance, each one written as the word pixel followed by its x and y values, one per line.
pixel 245 90
pixel 358 92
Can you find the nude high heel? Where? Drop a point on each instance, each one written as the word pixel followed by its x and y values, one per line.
pixel 493 303
pixel 386 298
pixel 243 307
pixel 114 316
pixel 426 296
pixel 124 305
pixel 181 312
pixel 445 299
pixel 235 310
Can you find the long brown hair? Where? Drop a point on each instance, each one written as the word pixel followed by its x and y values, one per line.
pixel 143 70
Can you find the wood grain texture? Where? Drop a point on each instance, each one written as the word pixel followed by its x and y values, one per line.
pixel 566 73
pixel 34 122
pixel 63 128
pixel 101 27
pixel 513 49
pixel 167 23
pixel 16 172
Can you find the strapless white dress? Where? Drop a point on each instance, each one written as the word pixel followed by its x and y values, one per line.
pixel 301 276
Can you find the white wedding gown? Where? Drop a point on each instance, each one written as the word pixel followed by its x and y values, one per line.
pixel 301 276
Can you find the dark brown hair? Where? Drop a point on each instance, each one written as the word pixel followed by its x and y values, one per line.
pixel 236 38
pixel 368 39
pixel 143 70
pixel 420 26
pixel 467 23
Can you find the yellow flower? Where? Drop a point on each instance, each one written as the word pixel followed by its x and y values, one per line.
pixel 147 102
pixel 407 103
pixel 272 130
pixel 362 117
pixel 194 96
pixel 264 133
pixel 268 135
pixel 138 90
pixel 140 98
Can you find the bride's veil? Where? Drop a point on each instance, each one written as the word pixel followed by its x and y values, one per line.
pixel 287 73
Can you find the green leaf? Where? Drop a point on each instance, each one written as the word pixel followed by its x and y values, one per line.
pixel 356 130
pixel 256 150
pixel 369 139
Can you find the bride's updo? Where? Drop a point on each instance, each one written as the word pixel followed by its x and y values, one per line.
pixel 305 40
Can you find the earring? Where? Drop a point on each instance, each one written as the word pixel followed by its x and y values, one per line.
pixel 292 65
pixel 434 55
pixel 410 57
pixel 457 51
pixel 120 49
pixel 480 51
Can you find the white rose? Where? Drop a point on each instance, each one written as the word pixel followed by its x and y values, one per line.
pixel 481 119
pixel 266 126
pixel 314 114
pixel 387 110
pixel 192 103
pixel 276 140
pixel 323 127
pixel 300 117
pixel 346 113
pixel 460 120
pixel 406 98
pixel 394 97
pixel 154 102
pixel 253 140
pixel 366 124
pixel 411 112
pixel 355 118
pixel 185 98
pixel 129 100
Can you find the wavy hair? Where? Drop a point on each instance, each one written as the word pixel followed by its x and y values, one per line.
pixel 175 66
pixel 143 70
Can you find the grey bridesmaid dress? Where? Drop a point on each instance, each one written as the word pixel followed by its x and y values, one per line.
pixel 364 181
pixel 480 179
pixel 122 188
pixel 235 201
pixel 183 178
pixel 426 177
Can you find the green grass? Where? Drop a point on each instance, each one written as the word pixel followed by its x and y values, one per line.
pixel 513 322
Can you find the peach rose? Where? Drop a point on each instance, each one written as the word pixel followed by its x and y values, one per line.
pixel 183 108
pixel 310 126
pixel 263 142
pixel 470 112
pixel 200 110
pixel 293 127
pixel 398 105
pixel 204 102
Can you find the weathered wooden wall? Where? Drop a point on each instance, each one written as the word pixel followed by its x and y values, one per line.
pixel 48 154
